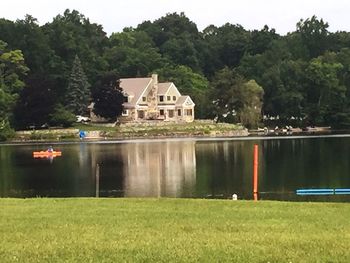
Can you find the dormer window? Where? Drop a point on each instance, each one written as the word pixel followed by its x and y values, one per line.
pixel 128 98
pixel 161 98
pixel 144 99
pixel 174 98
pixel 168 98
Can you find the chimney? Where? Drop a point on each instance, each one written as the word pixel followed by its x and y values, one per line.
pixel 153 99
pixel 155 79
pixel 155 89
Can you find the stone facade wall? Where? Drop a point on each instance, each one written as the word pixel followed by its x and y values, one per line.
pixel 152 99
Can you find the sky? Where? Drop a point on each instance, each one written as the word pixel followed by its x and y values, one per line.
pixel 114 15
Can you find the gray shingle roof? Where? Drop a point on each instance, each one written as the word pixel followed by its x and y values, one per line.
pixel 134 87
pixel 163 88
pixel 181 100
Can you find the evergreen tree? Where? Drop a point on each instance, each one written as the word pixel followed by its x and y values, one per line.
pixel 78 93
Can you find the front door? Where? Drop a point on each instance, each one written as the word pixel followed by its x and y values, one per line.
pixel 140 114
pixel 171 113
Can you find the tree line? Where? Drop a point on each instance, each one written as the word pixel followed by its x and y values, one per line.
pixel 50 73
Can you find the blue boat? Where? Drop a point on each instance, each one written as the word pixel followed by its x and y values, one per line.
pixel 324 191
pixel 342 191
pixel 315 192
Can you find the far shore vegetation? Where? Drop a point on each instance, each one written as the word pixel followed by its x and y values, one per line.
pixel 172 230
pixel 50 74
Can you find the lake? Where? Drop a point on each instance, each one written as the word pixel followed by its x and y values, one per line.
pixel 180 168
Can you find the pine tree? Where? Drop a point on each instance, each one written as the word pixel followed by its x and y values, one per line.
pixel 78 93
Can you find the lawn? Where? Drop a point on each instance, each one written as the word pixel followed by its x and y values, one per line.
pixel 172 230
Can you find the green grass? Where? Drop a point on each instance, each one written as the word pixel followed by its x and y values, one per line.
pixel 172 230
pixel 90 127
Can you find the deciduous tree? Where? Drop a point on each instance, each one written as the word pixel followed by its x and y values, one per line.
pixel 108 97
pixel 12 71
pixel 252 99
pixel 132 54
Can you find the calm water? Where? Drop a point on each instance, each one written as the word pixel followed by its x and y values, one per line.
pixel 179 168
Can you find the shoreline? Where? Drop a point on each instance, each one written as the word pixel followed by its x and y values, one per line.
pixel 177 138
pixel 139 132
pixel 126 139
pixel 135 131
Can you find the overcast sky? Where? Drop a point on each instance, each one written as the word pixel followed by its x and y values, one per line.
pixel 114 15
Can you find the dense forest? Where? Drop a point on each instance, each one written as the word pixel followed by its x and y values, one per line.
pixel 50 73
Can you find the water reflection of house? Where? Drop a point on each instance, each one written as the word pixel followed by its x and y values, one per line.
pixel 159 169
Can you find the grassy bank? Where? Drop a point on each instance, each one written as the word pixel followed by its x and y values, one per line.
pixel 136 130
pixel 172 230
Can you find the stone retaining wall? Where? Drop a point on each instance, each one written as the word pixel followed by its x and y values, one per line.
pixel 136 130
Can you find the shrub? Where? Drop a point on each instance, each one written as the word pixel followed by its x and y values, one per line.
pixel 62 117
pixel 6 131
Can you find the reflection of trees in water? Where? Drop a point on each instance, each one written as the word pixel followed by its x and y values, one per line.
pixel 306 163
pixel 224 168
pixel 25 176
pixel 200 169
pixel 159 169
pixel 5 171
pixel 285 165
pixel 110 161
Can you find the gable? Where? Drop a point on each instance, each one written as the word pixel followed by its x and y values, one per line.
pixel 168 89
pixel 134 87
pixel 173 91
pixel 184 101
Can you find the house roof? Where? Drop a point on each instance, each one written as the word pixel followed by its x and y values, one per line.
pixel 134 87
pixel 184 99
pixel 163 88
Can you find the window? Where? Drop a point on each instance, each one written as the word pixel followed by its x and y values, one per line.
pixel 126 99
pixel 189 112
pixel 161 112
pixel 143 99
pixel 178 112
pixel 125 113
pixel 161 98
pixel 168 98
pixel 171 113
pixel 174 98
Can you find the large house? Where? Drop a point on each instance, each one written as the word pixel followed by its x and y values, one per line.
pixel 146 99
